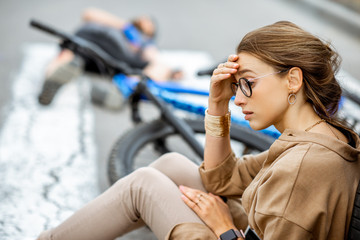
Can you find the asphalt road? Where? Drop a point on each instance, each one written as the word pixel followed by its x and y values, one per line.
pixel 211 26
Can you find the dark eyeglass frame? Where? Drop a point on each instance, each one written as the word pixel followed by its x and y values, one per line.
pixel 248 84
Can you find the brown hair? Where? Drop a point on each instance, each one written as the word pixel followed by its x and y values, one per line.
pixel 283 45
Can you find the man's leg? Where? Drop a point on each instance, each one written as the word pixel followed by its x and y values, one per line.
pixel 100 16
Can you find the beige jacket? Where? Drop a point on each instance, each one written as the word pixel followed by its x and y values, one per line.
pixel 303 187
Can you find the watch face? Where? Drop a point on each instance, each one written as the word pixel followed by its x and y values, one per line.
pixel 228 235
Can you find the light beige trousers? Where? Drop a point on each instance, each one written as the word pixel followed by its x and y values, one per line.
pixel 148 196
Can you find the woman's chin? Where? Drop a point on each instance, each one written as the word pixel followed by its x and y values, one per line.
pixel 257 126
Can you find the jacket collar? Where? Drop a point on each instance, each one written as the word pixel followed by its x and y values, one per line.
pixel 346 151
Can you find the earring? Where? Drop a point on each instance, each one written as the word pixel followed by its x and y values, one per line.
pixel 289 99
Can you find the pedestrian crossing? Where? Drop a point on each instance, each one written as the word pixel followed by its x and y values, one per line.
pixel 47 154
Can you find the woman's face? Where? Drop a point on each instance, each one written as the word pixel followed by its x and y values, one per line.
pixel 268 103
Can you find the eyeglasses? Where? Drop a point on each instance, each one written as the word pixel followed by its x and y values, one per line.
pixel 245 84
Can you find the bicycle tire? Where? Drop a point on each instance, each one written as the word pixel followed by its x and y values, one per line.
pixel 122 157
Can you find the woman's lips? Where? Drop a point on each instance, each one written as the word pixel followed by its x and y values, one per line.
pixel 247 114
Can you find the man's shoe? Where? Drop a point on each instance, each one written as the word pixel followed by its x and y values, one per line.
pixel 60 76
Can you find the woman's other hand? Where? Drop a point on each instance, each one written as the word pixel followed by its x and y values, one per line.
pixel 220 86
pixel 212 210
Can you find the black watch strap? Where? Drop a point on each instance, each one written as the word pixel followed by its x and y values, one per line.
pixel 231 234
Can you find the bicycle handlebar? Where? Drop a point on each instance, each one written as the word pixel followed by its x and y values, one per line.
pixel 205 72
pixel 49 30
pixel 91 50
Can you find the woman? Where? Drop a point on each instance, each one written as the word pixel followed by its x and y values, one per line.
pixel 303 187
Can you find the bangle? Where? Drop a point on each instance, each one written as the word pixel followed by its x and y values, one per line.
pixel 217 126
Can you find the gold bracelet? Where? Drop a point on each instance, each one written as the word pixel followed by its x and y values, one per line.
pixel 217 126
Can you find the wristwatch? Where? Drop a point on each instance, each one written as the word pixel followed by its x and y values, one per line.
pixel 231 234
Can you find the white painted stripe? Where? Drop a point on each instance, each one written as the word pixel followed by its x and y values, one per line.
pixel 47 154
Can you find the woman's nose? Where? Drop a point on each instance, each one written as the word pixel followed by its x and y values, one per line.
pixel 240 98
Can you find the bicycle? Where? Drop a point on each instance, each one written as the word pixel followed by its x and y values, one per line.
pixel 122 162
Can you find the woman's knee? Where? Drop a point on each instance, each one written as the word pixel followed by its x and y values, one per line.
pixel 176 166
pixel 169 160
pixel 139 178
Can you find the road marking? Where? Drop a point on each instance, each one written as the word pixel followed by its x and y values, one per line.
pixel 47 154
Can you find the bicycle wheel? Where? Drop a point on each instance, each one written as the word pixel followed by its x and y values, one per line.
pixel 133 149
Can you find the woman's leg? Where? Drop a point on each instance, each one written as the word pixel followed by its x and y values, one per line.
pixel 146 194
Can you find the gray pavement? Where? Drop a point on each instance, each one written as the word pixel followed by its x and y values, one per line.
pixel 211 26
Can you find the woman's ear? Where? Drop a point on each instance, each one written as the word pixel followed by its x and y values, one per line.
pixel 295 79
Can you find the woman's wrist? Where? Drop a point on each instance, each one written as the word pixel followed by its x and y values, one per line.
pixel 218 109
pixel 217 126
pixel 231 234
pixel 221 230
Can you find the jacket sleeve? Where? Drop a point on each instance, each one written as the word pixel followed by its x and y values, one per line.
pixel 232 176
